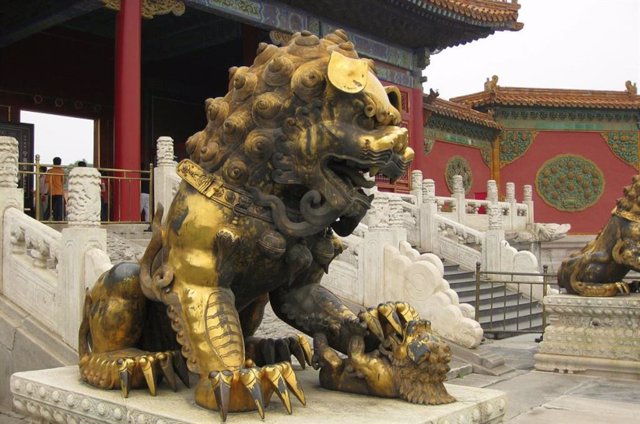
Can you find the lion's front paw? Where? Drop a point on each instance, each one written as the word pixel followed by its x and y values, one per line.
pixel 388 318
pixel 248 388
pixel 133 368
pixel 266 351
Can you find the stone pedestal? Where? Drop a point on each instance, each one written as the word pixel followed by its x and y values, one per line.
pixel 594 335
pixel 57 395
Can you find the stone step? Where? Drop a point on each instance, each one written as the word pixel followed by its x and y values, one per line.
pixel 460 275
pixel 458 369
pixel 504 304
pixel 511 321
pixel 486 297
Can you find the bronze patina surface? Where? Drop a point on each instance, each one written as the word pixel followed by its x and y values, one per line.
pixel 277 171
pixel 598 269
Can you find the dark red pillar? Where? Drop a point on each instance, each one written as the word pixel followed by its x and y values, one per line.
pixel 127 109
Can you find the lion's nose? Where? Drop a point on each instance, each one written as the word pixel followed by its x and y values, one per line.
pixel 388 116
pixel 401 140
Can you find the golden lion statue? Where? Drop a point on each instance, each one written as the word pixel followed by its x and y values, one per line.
pixel 598 269
pixel 278 169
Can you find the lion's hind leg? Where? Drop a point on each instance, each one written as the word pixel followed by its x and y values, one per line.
pixel 111 329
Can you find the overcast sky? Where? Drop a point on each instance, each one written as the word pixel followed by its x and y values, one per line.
pixel 55 135
pixel 583 44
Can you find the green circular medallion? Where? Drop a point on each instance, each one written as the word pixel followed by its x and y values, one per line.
pixel 570 182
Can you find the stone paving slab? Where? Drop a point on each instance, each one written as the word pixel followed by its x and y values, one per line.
pixel 579 410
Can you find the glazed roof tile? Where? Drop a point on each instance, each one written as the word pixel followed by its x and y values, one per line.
pixel 458 111
pixel 491 11
pixel 551 97
pixel 432 24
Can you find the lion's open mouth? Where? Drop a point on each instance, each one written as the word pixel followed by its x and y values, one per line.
pixel 351 172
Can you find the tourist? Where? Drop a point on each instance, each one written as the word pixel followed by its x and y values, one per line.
pixel 44 193
pixel 55 181
pixel 144 199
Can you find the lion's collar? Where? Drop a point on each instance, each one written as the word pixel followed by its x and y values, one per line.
pixel 214 188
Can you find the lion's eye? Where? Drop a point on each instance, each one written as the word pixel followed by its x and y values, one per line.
pixel 366 122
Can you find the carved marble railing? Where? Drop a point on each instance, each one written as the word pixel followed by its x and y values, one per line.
pixel 31 253
pixel 473 212
pixel 44 271
pixel 380 265
pixel 469 230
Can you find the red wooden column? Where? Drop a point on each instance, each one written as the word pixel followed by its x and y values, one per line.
pixel 126 200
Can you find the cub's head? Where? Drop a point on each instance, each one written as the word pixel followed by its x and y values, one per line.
pixel 301 129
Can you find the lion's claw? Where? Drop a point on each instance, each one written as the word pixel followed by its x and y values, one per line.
pixel 623 287
pixel 250 379
pixel 221 385
pixel 258 383
pixel 132 368
pixel 387 318
pixel 271 351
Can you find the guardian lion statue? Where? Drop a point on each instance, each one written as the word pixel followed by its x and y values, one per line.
pixel 598 269
pixel 277 172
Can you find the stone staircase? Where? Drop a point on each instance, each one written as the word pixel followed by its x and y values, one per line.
pixel 503 311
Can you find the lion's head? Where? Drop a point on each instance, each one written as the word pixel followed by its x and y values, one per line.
pixel 421 359
pixel 301 128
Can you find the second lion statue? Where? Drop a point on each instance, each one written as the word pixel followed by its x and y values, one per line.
pixel 279 168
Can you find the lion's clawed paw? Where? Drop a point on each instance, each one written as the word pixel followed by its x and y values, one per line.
pixel 388 318
pixel 257 382
pixel 266 351
pixel 134 368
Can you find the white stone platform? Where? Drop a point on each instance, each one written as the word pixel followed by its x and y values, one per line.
pixel 57 395
pixel 594 335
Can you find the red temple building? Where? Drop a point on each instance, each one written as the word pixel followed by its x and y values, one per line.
pixel 142 68
pixel 577 148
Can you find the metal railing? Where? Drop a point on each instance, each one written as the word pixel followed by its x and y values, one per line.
pixel 509 303
pixel 32 177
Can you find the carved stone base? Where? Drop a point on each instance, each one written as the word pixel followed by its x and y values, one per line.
pixel 595 335
pixel 57 395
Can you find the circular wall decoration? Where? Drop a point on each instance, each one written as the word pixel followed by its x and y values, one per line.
pixel 570 183
pixel 458 165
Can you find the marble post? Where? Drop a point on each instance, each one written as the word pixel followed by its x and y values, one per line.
pixel 527 199
pixel 375 239
pixel 513 210
pixel 458 195
pixel 82 235
pixel 491 251
pixel 10 195
pixel 166 179
pixel 428 224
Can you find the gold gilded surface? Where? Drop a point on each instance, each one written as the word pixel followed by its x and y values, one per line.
pixel 599 267
pixel 278 171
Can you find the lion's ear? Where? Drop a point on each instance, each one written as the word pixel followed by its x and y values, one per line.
pixel 346 74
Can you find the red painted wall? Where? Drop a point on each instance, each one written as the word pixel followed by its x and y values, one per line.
pixel 590 145
pixel 411 111
pixel 434 165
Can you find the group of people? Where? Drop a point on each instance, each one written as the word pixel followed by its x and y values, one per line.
pixel 52 196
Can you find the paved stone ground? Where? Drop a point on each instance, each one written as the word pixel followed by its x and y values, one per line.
pixel 533 397
pixel 9 417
